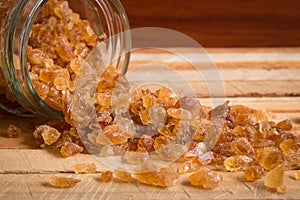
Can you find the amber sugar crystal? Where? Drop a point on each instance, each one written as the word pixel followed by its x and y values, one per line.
pixel 115 134
pixel 70 148
pixel 164 177
pixel 242 147
pixel 206 178
pixel 254 172
pixel 122 176
pixel 139 156
pixel 297 175
pixel 239 162
pixel 269 157
pixel 106 176
pixel 63 182
pixel 85 168
pixel 190 165
pixel 13 131
pixel 48 133
pixel 274 178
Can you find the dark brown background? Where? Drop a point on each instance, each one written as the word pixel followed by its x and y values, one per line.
pixel 223 23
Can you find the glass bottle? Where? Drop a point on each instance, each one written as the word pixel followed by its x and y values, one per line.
pixel 17 18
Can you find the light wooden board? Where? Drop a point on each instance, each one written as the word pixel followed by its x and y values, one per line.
pixel 41 161
pixel 241 72
pixel 36 186
pixel 231 88
pixel 269 81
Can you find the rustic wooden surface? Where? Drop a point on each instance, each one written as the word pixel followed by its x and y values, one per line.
pixel 217 23
pixel 25 170
pixel 243 72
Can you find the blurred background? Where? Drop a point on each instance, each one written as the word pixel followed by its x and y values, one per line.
pixel 219 23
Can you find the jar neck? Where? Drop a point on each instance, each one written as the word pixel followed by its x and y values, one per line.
pixel 109 17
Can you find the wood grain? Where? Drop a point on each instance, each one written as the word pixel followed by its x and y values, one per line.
pixel 36 186
pixel 227 58
pixel 241 72
pixel 217 23
pixel 271 75
pixel 41 161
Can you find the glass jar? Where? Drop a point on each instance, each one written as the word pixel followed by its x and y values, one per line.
pixel 17 18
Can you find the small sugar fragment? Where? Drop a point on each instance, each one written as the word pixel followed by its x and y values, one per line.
pixel 13 131
pixel 106 176
pixel 87 168
pixel 63 182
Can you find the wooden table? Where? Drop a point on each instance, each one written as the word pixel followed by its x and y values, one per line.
pixel 267 79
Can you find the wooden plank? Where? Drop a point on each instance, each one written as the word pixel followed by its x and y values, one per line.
pixel 242 72
pixel 274 104
pixel 261 58
pixel 40 161
pixel 226 65
pixel 230 55
pixel 36 186
pixel 192 74
pixel 239 88
pixel 262 88
pixel 285 49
